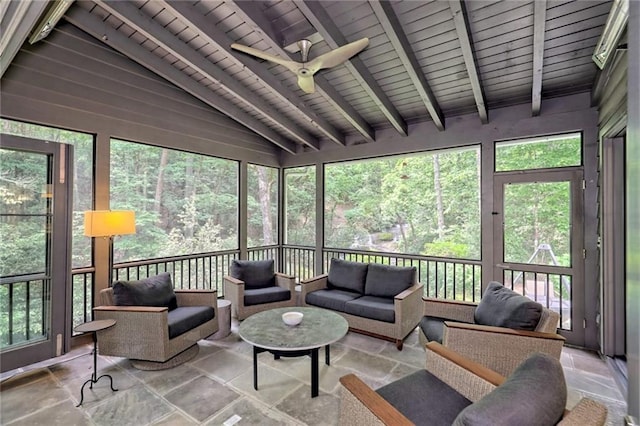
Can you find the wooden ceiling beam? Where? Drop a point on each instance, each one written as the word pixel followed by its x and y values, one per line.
pixel 116 40
pixel 185 12
pixel 462 28
pixel 142 23
pixel 253 17
pixel 20 18
pixel 539 19
pixel 315 13
pixel 399 41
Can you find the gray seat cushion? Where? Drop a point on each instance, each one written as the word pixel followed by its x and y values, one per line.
pixel 254 273
pixel 259 296
pixel 388 281
pixel 331 299
pixel 377 308
pixel 503 307
pixel 424 399
pixel 535 394
pixel 345 275
pixel 432 328
pixel 187 318
pixel 156 290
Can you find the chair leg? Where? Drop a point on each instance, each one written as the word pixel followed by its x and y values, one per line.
pixel 399 343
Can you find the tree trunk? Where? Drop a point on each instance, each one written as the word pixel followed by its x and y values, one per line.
pixel 438 189
pixel 264 194
pixel 157 201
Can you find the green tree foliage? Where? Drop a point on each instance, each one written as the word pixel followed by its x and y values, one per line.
pixel 184 203
pixel 300 208
pixel 367 200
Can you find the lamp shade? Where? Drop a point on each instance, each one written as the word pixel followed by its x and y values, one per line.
pixel 106 223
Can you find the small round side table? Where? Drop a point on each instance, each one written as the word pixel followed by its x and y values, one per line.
pixel 94 327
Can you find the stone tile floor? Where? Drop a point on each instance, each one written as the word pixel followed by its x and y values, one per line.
pixel 216 387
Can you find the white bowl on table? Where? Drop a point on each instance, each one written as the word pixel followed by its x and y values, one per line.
pixel 292 318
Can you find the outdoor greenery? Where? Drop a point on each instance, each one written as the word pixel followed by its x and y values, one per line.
pixel 419 204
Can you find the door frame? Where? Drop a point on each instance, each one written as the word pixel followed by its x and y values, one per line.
pixel 573 175
pixel 58 258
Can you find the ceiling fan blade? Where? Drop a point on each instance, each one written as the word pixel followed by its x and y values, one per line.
pixel 306 83
pixel 337 56
pixel 290 65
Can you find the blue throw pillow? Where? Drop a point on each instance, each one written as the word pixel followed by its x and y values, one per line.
pixel 255 273
pixel 503 307
pixel 152 291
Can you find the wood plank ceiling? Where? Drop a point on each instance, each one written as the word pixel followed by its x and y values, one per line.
pixel 426 60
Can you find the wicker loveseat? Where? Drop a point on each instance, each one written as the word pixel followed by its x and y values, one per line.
pixel 379 300
pixel 156 327
pixel 454 390
pixel 499 332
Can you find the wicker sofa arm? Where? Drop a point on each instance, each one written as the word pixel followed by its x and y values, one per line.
pixel 136 327
pixel 469 378
pixel 455 310
pixel 500 349
pixel 362 406
pixel 586 412
pixel 307 286
pixel 286 281
pixel 197 298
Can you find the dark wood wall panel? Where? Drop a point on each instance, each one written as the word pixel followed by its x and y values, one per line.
pixel 77 75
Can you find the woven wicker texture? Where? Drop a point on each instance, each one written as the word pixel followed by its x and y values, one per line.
pixel 586 412
pixel 450 309
pixel 234 292
pixel 501 352
pixel 468 384
pixel 354 413
pixel 143 333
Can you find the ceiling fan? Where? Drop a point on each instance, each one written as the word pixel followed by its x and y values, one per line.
pixel 305 70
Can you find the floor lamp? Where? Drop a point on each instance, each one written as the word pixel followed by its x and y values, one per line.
pixel 107 224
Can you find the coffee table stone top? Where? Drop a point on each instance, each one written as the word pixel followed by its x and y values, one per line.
pixel 319 327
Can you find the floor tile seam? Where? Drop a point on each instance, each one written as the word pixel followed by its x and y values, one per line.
pixel 255 398
pixel 43 409
pixel 240 396
pixel 590 375
pixel 593 395
pixel 214 377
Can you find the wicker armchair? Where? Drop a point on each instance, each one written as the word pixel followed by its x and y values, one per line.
pixel 474 395
pixel 141 333
pixel 253 286
pixel 501 349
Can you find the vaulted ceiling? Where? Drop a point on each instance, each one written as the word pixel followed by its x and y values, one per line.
pixel 426 60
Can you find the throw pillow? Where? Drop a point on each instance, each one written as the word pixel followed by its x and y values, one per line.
pixel 503 307
pixel 388 281
pixel 347 275
pixel 255 273
pixel 535 394
pixel 156 290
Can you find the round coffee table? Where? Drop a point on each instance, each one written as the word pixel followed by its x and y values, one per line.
pixel 268 333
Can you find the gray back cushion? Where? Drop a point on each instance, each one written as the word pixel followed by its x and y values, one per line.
pixel 388 281
pixel 152 291
pixel 535 394
pixel 503 307
pixel 347 275
pixel 254 273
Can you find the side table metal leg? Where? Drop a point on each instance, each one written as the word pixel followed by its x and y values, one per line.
pixel 327 355
pixel 255 368
pixel 314 372
pixel 94 375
